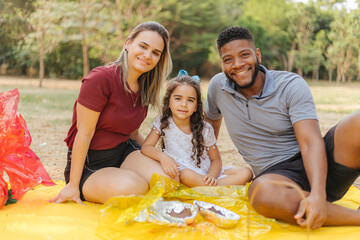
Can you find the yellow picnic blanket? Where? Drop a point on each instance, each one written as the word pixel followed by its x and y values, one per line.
pixel 34 218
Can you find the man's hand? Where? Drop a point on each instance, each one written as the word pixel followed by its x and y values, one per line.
pixel 170 166
pixel 312 211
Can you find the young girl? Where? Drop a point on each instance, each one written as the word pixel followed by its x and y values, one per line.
pixel 189 152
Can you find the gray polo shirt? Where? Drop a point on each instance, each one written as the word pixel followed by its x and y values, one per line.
pixel 262 127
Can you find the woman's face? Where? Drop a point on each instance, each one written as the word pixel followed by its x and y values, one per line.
pixel 144 51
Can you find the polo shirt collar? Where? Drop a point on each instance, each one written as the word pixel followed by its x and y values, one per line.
pixel 269 86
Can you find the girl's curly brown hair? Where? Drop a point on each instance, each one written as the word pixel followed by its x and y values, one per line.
pixel 196 119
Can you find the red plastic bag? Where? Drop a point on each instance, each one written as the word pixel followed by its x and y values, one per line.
pixel 3 191
pixel 21 164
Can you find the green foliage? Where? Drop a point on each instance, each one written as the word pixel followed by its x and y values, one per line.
pixel 10 199
pixel 12 28
pixel 66 61
pixel 306 37
pixel 193 26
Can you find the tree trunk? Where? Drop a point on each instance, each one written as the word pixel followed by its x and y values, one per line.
pixel 300 71
pixel 338 73
pixel 41 60
pixel 291 57
pixel 330 75
pixel 85 47
pixel 315 75
pixel 358 75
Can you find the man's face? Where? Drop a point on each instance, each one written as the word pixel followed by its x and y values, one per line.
pixel 240 62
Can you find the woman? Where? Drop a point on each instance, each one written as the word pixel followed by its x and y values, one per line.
pixel 103 141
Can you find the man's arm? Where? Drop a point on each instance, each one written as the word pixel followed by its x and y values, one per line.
pixel 215 124
pixel 312 210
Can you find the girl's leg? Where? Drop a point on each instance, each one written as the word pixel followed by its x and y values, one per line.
pixel 236 176
pixel 110 182
pixel 191 179
pixel 143 166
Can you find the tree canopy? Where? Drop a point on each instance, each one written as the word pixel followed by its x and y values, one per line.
pixel 66 38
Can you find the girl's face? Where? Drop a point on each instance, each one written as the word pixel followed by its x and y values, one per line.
pixel 183 102
pixel 144 51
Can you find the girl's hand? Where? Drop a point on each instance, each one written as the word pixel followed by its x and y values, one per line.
pixel 69 192
pixel 210 180
pixel 170 166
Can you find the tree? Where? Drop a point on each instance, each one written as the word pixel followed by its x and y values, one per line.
pixel 13 28
pixel 124 16
pixel 91 18
pixel 46 33
pixel 193 29
pixel 344 35
pixel 317 50
pixel 268 24
pixel 302 20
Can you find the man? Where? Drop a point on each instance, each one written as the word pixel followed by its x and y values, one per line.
pixel 272 120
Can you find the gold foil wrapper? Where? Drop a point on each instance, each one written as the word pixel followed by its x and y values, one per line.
pixel 170 213
pixel 220 216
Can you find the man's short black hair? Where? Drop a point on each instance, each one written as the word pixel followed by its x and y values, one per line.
pixel 233 33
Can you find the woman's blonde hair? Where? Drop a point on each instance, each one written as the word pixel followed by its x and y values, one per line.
pixel 149 82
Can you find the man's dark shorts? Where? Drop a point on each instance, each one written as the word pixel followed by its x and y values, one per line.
pixel 98 159
pixel 339 177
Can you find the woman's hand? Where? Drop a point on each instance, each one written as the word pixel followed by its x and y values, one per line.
pixel 69 192
pixel 210 180
pixel 170 166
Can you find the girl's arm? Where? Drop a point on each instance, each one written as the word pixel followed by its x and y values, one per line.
pixel 86 123
pixel 168 164
pixel 135 135
pixel 215 167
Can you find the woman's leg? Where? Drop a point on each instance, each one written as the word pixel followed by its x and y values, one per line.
pixel 110 182
pixel 236 176
pixel 143 166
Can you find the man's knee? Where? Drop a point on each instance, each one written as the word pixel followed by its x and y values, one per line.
pixel 270 194
pixel 260 195
pixel 351 123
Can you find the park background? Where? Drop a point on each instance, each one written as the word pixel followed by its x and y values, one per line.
pixel 47 46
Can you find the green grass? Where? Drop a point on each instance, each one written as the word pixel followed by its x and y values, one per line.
pixel 336 98
pixel 48 113
pixel 53 105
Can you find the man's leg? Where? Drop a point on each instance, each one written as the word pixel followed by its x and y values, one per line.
pixel 347 141
pixel 282 202
pixel 273 200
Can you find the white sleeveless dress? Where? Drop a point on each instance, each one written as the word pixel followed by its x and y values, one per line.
pixel 179 147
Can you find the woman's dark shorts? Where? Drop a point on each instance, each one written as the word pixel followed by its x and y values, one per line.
pixel 339 177
pixel 98 159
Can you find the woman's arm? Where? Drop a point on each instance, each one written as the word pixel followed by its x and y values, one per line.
pixel 139 138
pixel 215 167
pixel 168 164
pixel 86 123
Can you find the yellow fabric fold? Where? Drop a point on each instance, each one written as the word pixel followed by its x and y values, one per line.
pixel 34 218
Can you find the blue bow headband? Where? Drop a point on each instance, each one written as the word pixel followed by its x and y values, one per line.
pixel 182 72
